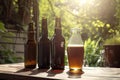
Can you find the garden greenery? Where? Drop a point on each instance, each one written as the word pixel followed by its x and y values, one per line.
pixel 115 40
pixel 98 20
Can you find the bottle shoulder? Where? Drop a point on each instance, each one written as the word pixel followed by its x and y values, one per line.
pixel 58 39
pixel 44 38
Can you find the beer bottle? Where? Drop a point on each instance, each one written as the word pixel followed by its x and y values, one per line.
pixel 58 47
pixel 44 47
pixel 30 48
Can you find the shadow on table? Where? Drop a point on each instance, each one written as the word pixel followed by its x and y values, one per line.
pixel 52 73
pixel 32 71
pixel 24 70
pixel 37 71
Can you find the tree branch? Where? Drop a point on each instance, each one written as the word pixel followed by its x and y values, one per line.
pixel 51 5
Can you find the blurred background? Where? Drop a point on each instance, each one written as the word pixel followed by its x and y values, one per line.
pixel 98 20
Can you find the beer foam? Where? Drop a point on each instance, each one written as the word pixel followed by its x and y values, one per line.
pixel 75 45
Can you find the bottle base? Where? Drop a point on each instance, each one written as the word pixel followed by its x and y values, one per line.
pixel 43 67
pixel 76 71
pixel 30 67
pixel 57 68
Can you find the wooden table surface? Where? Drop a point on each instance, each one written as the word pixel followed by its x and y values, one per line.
pixel 17 72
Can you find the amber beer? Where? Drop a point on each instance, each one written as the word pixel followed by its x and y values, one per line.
pixel 30 48
pixel 75 56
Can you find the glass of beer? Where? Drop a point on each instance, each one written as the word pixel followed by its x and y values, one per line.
pixel 75 52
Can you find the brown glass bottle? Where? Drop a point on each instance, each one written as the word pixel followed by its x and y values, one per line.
pixel 44 47
pixel 30 48
pixel 58 47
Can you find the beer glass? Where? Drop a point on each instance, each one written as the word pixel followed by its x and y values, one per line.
pixel 75 51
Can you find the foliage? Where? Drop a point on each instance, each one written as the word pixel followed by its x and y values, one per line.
pixel 66 59
pixel 2 28
pixel 7 56
pixel 96 18
pixel 115 40
pixel 93 23
pixel 4 32
pixel 93 54
pixel 16 14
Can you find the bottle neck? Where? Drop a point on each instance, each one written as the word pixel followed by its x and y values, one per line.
pixel 31 33
pixel 44 28
pixel 31 36
pixel 58 30
pixel 75 38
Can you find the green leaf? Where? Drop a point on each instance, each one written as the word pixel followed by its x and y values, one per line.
pixel 2 28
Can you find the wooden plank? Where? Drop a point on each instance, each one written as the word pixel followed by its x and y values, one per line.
pixel 17 72
pixel 12 43
pixel 14 37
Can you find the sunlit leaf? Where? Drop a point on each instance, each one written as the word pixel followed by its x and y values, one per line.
pixel 2 28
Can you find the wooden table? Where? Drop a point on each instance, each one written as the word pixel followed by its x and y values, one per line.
pixel 17 72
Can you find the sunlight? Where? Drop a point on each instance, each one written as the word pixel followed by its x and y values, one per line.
pixel 76 70
pixel 81 5
pixel 84 2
